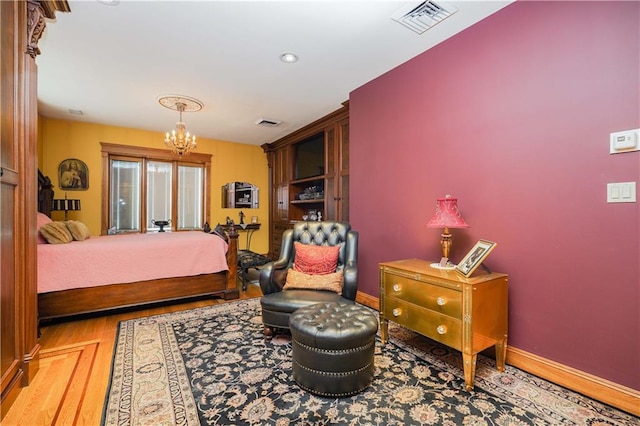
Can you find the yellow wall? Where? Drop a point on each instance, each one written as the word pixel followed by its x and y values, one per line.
pixel 230 161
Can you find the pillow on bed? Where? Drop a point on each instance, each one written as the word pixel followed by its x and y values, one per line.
pixel 42 219
pixel 300 280
pixel 79 231
pixel 56 233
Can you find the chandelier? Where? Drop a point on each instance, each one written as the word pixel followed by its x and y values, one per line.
pixel 179 140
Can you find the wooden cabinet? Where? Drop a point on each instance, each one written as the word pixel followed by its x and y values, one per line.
pixel 337 180
pixel 299 188
pixel 21 25
pixel 467 314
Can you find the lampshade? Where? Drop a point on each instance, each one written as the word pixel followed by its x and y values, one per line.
pixel 66 205
pixel 447 214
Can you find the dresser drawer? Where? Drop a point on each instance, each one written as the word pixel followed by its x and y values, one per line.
pixel 434 325
pixel 436 298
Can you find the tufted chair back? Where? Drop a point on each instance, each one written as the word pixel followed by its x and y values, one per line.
pixel 325 233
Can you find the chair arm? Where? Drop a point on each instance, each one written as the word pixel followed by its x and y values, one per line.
pixel 350 287
pixel 273 276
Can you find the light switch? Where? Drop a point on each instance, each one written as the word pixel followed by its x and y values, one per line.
pixel 621 192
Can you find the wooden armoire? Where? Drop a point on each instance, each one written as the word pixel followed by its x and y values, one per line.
pixel 21 26
pixel 309 175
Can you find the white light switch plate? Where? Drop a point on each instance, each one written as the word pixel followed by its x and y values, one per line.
pixel 621 192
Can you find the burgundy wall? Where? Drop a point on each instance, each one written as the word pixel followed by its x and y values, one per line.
pixel 512 117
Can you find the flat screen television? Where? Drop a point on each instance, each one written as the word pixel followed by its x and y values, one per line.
pixel 309 157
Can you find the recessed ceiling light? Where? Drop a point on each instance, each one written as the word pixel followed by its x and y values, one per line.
pixel 76 112
pixel 109 2
pixel 289 58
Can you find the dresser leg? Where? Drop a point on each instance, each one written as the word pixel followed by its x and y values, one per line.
pixel 384 330
pixel 469 365
pixel 501 354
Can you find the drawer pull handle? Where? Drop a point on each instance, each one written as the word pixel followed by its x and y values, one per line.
pixel 396 312
pixel 441 301
pixel 442 329
pixel 396 287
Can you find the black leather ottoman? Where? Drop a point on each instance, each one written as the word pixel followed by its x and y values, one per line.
pixel 333 346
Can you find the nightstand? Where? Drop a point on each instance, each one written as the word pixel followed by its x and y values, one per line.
pixel 466 314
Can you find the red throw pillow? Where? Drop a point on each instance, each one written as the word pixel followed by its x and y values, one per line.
pixel 318 260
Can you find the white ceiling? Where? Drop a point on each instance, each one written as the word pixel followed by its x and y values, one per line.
pixel 112 62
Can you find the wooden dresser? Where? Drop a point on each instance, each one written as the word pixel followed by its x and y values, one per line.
pixel 467 314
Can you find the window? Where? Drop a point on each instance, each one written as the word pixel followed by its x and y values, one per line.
pixel 145 185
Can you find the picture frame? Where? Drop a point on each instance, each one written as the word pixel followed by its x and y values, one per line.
pixel 475 257
pixel 73 175
pixel 254 219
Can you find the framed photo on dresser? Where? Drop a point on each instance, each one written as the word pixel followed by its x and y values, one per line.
pixel 475 257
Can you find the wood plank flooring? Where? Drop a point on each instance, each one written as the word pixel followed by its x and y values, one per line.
pixel 75 363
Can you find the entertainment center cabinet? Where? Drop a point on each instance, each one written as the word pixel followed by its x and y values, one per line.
pixel 309 175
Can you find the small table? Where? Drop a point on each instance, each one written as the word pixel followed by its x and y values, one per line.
pixel 250 228
pixel 467 314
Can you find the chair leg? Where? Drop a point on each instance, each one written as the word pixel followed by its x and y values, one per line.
pixel 244 279
pixel 268 331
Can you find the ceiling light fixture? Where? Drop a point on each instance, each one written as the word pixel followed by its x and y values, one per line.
pixel 179 140
pixel 289 58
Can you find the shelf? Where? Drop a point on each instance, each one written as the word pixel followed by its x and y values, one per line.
pixel 307 180
pixel 314 201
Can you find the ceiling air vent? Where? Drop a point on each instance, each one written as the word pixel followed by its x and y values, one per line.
pixel 419 17
pixel 267 122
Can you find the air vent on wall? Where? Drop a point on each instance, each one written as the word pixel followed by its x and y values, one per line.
pixel 419 17
pixel 267 122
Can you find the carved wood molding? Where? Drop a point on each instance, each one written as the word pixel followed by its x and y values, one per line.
pixel 37 11
pixel 35 27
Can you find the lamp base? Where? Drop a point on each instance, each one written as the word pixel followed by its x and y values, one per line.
pixel 448 267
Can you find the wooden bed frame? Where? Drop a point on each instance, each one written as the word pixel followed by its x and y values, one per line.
pixel 116 296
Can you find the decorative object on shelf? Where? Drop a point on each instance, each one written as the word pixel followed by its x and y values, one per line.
pixel 254 219
pixel 446 216
pixel 73 175
pixel 475 257
pixel 66 206
pixel 241 217
pixel 179 140
pixel 315 192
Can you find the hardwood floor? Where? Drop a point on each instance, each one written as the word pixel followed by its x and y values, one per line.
pixel 75 364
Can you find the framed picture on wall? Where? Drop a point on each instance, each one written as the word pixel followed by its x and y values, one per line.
pixel 475 257
pixel 73 175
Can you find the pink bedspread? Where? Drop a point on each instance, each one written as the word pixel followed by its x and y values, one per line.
pixel 112 259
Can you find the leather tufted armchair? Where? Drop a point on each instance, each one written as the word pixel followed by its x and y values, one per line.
pixel 278 305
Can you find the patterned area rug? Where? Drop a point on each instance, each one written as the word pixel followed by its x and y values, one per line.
pixel 212 366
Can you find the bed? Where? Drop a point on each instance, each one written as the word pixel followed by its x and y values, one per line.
pixel 132 270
